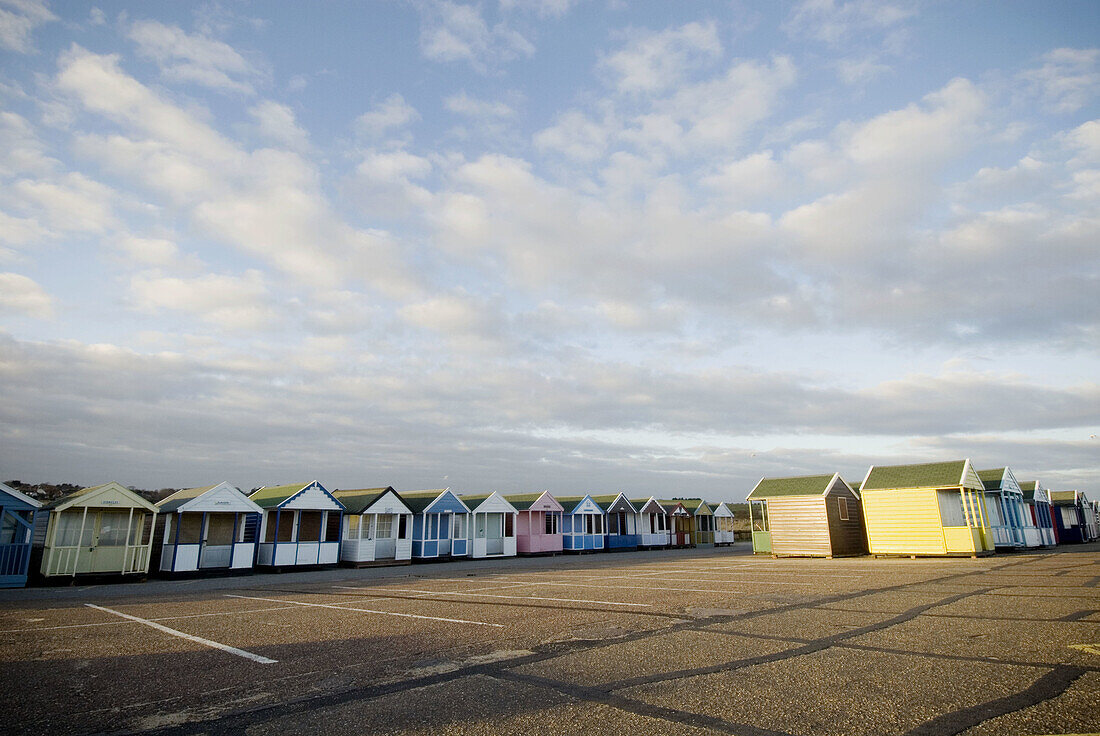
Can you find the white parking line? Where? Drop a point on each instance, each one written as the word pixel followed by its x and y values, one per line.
pixel 158 618
pixel 367 610
pixel 490 595
pixel 189 637
pixel 633 587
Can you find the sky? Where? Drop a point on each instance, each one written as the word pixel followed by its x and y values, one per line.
pixel 570 245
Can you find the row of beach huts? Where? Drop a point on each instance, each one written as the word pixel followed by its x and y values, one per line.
pixel 928 509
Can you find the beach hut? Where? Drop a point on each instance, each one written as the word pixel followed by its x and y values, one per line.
pixel 622 521
pixel 1069 516
pixel 17 512
pixel 723 525
pixel 301 525
pixel 538 523
pixel 925 509
pixel 441 524
pixel 1092 518
pixel 703 521
pixel 809 516
pixel 208 528
pixel 102 530
pixel 582 524
pixel 1005 503
pixel 1038 517
pixel 494 526
pixel 681 524
pixel 653 523
pixel 377 526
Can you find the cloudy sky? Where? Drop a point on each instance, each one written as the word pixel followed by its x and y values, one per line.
pixel 576 245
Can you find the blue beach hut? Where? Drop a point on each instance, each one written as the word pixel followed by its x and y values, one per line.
pixel 1004 500
pixel 622 521
pixel 582 524
pixel 16 531
pixel 301 525
pixel 441 524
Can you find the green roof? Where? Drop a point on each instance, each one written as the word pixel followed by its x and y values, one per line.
pixel 924 475
pixel 356 501
pixel 669 505
pixel 271 496
pixel 992 478
pixel 179 498
pixel 693 504
pixel 1063 498
pixel 523 501
pixel 417 501
pixel 475 500
pixel 801 485
pixel 1028 487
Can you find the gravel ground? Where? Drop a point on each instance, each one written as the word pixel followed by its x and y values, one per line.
pixel 661 642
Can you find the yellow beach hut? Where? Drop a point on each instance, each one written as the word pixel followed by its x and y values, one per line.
pixel 925 509
pixel 102 530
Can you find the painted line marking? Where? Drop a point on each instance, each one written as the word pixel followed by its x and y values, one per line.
pixel 1089 648
pixel 490 595
pixel 368 610
pixel 158 618
pixel 633 587
pixel 189 637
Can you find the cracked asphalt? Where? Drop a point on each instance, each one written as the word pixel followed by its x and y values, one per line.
pixel 703 641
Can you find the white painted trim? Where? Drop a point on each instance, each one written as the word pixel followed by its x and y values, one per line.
pixel 367 610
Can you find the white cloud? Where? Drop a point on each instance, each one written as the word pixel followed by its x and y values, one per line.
pixel 541 8
pixel 390 114
pixel 277 123
pixel 860 70
pixel 234 302
pixel 835 21
pixel 196 59
pixel 576 136
pixel 21 151
pixel 1067 80
pixel 20 232
pixel 463 104
pixel 451 31
pixel 756 176
pixel 1084 140
pixel 73 202
pixel 653 62
pixel 21 295
pixel 18 19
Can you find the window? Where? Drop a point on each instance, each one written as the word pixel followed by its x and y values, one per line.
pixel 285 525
pixel 219 529
pixel 759 511
pixel 842 506
pixel 169 528
pixel 114 528
pixel 552 526
pixel 309 526
pixel 7 530
pixel 68 529
pixel 385 526
pixel 951 508
pixel 190 529
pixel 403 527
pixel 509 520
pixel 353 527
pixel 593 524
pixel 332 526
pixel 460 526
pixel 613 524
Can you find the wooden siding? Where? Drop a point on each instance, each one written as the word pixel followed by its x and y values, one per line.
pixel 798 526
pixel 903 522
pixel 847 537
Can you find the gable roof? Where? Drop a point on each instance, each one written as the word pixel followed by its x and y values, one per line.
pixel 271 496
pixel 1029 487
pixel 358 500
pixel 794 485
pixel 952 474
pixel 418 501
pixel 992 478
pixel 477 501
pixel 87 497
pixel 696 506
pixel 21 497
pixel 186 496
pixel 646 505
pixel 673 507
pixel 570 503
pixel 524 501
pixel 608 501
pixel 1063 498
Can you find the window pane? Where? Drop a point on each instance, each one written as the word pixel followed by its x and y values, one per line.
pixel 190 529
pixel 309 526
pixel 384 530
pixel 219 532
pixel 170 528
pixel 285 523
pixel 508 521
pixel 7 530
pixel 459 526
pixel 332 526
pixel 353 526
pixel 113 529
pixel 951 508
pixel 403 527
pixel 842 506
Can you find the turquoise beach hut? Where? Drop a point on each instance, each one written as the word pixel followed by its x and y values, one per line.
pixel 17 512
